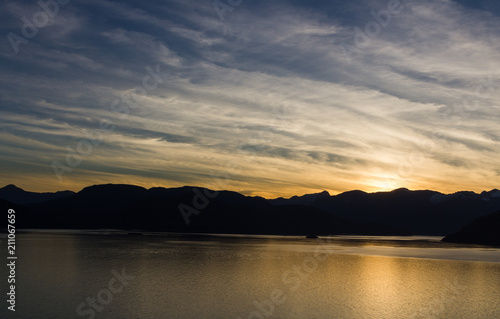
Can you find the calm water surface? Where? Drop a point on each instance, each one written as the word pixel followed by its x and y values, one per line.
pixel 251 277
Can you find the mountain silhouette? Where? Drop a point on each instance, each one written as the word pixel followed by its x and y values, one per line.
pixel 17 195
pixel 482 231
pixel 195 209
pixel 185 209
pixel 421 212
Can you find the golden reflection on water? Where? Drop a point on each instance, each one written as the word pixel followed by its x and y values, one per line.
pixel 225 278
pixel 378 281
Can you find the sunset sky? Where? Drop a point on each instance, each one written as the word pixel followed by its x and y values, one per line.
pixel 270 98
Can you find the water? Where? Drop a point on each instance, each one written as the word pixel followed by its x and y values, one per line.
pixel 251 277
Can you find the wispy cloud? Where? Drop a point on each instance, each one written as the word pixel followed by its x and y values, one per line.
pixel 269 90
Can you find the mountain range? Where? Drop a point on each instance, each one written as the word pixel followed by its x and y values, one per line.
pixel 200 210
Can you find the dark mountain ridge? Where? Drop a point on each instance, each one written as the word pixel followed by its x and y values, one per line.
pixel 483 231
pixel 185 209
pixel 421 212
pixel 17 195
pixel 196 209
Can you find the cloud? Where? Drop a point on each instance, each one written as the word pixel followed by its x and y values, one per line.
pixel 269 90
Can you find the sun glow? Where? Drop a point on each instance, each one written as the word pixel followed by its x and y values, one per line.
pixel 385 184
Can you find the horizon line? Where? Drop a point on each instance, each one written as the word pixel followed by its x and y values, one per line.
pixel 267 198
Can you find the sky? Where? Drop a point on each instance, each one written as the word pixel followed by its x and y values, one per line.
pixel 268 98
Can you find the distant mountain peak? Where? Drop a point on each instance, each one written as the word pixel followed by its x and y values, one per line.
pixel 493 193
pixel 111 187
pixel 355 191
pixel 307 199
pixel 17 195
pixel 12 187
pixel 315 195
pixel 401 190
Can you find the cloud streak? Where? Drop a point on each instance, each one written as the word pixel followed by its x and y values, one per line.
pixel 267 90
